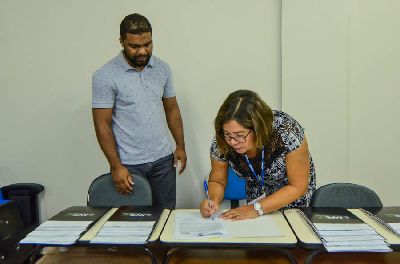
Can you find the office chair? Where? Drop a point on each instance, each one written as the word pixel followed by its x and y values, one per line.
pixel 235 188
pixel 102 192
pixel 347 195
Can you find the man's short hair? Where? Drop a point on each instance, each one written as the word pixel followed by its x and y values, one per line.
pixel 134 24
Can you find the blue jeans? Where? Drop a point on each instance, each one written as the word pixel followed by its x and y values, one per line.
pixel 161 175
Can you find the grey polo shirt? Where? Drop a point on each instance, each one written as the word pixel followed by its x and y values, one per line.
pixel 138 119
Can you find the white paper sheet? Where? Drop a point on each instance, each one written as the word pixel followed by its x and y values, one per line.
pixel 191 225
pixel 263 226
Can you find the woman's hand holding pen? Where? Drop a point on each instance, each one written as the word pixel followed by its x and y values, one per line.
pixel 208 208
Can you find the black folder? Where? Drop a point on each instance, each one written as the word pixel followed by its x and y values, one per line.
pixel 330 215
pixel 80 213
pixel 385 216
pixel 136 213
pixel 342 231
pixel 65 227
pixel 129 225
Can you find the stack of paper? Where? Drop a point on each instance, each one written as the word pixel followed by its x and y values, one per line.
pixel 341 231
pixel 122 232
pixel 387 216
pixel 128 225
pixel 66 227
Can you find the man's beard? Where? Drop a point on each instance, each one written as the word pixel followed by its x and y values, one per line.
pixel 138 63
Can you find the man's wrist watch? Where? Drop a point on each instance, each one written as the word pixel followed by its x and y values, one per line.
pixel 258 208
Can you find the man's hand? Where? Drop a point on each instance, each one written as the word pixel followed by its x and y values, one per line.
pixel 180 154
pixel 122 179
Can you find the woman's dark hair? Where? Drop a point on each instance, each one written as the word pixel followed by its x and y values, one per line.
pixel 250 111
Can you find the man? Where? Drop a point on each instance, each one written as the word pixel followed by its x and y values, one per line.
pixel 133 96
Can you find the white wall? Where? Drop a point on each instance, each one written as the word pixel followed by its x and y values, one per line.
pixel 339 72
pixel 315 80
pixel 374 126
pixel 340 77
pixel 49 50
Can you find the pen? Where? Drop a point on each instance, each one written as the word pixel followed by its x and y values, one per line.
pixel 208 197
pixel 210 233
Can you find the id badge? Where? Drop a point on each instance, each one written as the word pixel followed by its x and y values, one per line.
pixel 258 199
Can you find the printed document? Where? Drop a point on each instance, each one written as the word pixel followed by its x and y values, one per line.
pixel 191 225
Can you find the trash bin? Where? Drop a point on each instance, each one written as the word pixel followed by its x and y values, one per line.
pixel 20 215
pixel 25 196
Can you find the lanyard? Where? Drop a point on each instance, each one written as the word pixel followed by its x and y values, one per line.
pixel 261 178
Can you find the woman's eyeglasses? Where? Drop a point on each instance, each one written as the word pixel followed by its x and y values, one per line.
pixel 239 139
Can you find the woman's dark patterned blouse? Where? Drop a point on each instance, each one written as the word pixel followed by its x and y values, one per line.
pixel 287 136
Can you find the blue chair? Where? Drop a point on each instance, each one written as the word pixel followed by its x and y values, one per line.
pixel 2 201
pixel 235 188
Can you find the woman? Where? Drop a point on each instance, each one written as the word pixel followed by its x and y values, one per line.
pixel 255 140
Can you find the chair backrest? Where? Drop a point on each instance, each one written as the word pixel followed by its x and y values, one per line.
pixel 235 188
pixel 102 192
pixel 347 195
